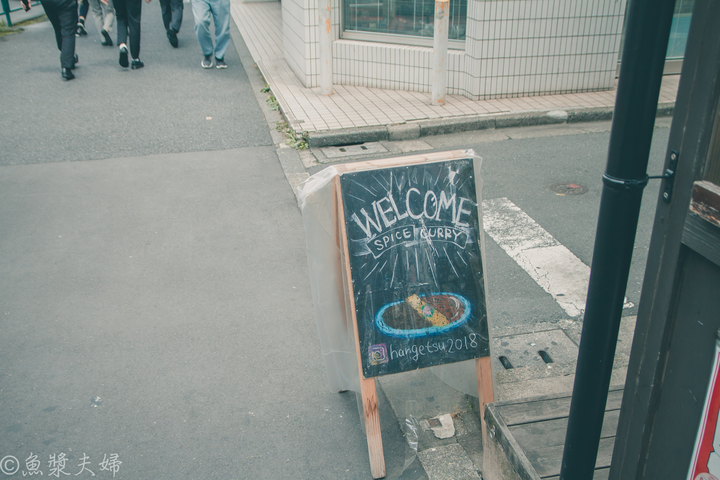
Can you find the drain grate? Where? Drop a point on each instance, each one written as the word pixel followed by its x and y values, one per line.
pixel 352 150
pixel 569 188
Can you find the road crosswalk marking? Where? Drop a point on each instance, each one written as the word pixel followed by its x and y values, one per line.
pixel 555 268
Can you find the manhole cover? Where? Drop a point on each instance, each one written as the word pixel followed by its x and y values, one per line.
pixel 569 188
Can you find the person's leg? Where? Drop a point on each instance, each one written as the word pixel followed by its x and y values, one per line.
pixel 134 11
pixel 172 16
pixel 177 14
pixel 122 21
pixel 84 7
pixel 68 16
pixel 108 15
pixel 201 12
pixel 221 17
pixel 51 11
pixel 166 13
pixel 97 13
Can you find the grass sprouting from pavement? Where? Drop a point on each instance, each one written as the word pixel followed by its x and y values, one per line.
pixel 17 28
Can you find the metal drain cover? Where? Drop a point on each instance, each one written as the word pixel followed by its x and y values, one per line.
pixel 569 188
pixel 523 350
pixel 353 150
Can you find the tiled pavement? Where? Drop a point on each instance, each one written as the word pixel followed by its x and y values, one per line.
pixel 352 107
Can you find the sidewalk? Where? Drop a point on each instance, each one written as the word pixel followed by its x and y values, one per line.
pixel 353 115
pixel 155 296
pixel 359 114
pixel 308 111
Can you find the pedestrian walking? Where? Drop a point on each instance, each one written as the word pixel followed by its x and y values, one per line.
pixel 219 12
pixel 82 15
pixel 128 14
pixel 172 15
pixel 104 14
pixel 63 15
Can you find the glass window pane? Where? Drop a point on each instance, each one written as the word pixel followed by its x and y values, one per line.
pixel 402 17
pixel 679 29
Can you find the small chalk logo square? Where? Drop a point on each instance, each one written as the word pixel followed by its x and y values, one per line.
pixel 378 354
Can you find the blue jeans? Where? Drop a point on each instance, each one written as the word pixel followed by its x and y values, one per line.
pixel 219 10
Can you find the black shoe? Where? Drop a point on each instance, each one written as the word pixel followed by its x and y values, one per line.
pixel 67 74
pixel 137 63
pixel 206 62
pixel 123 56
pixel 80 29
pixel 172 36
pixel 220 63
pixel 107 42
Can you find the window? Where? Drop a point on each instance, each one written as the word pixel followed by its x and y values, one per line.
pixel 382 19
pixel 679 29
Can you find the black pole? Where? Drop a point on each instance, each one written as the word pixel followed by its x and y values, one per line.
pixel 645 45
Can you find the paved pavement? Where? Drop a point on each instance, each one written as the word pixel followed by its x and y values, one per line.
pixel 170 106
pixel 154 297
pixel 356 114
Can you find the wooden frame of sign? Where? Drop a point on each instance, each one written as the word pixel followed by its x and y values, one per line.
pixel 409 232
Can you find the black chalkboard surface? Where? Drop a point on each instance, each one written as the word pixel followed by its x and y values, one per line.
pixel 416 267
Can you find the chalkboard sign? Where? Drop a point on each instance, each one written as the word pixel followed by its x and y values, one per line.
pixel 416 267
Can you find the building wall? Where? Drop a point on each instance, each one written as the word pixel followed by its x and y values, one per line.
pixel 530 47
pixel 513 48
pixel 300 37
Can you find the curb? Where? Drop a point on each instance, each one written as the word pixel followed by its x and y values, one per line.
pixel 422 128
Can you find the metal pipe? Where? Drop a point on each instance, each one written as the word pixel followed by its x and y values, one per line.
pixel 643 59
pixel 440 51
pixel 6 10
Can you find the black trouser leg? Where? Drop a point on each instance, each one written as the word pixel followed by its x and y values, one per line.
pixel 172 13
pixel 166 13
pixel 134 12
pixel 52 14
pixel 122 21
pixel 64 17
pixel 84 7
pixel 68 26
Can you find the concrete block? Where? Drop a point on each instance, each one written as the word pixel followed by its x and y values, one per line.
pixel 347 136
pixel 405 131
pixel 596 114
pixel 529 118
pixel 444 126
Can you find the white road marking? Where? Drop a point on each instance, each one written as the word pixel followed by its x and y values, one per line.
pixel 555 268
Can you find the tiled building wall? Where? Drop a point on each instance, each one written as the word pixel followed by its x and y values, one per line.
pixel 513 48
pixel 300 37
pixel 528 47
pixel 395 67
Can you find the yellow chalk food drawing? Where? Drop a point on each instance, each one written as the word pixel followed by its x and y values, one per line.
pixel 426 311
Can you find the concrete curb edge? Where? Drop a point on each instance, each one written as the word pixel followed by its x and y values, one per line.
pixel 415 130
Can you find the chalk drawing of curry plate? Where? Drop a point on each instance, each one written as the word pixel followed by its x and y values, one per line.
pixel 423 315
